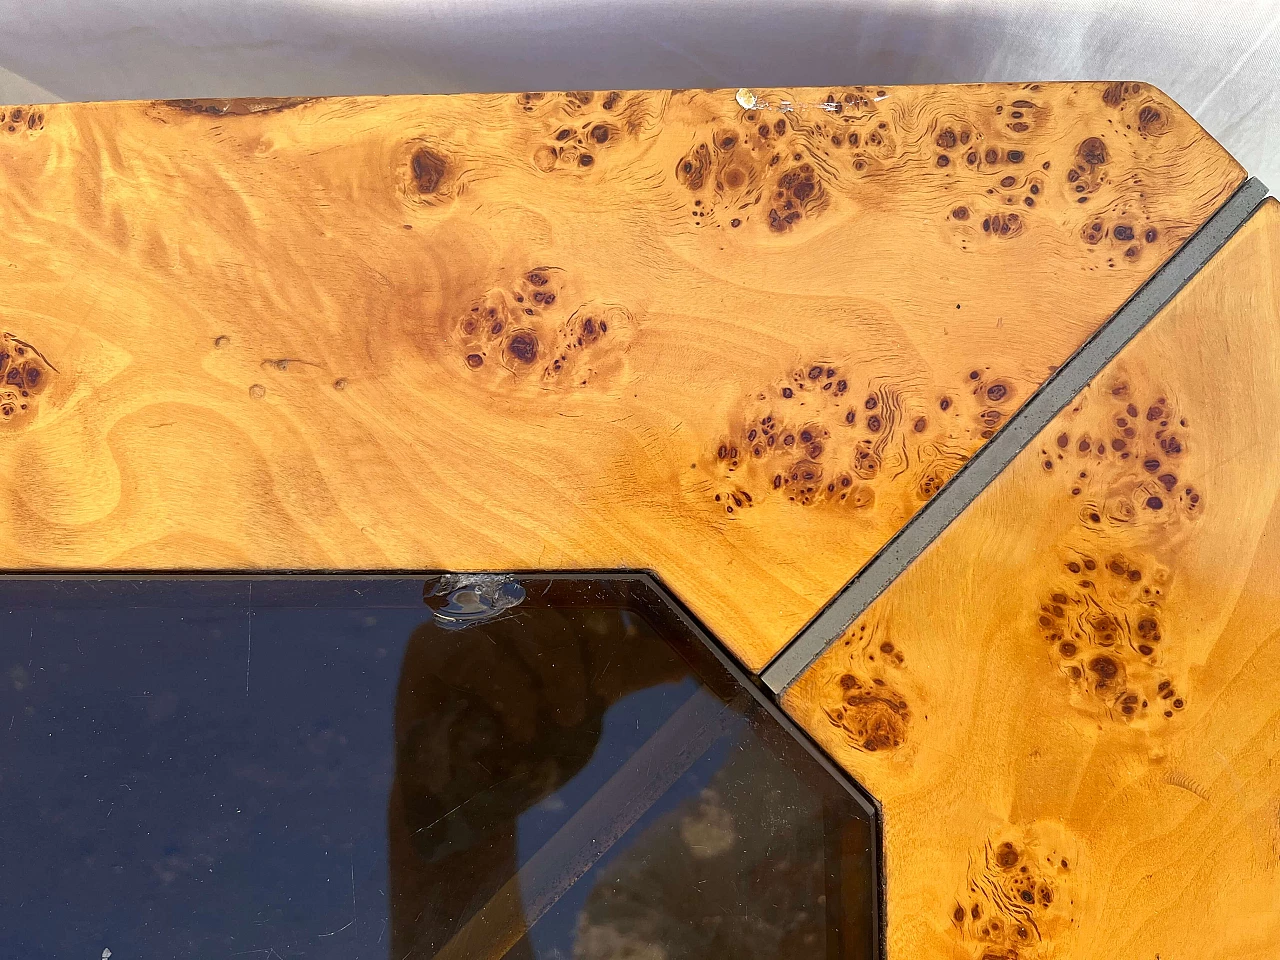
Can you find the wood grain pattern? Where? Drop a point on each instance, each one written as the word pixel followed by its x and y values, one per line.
pixel 739 347
pixel 1067 705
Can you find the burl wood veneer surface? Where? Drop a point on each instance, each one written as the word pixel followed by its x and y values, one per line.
pixel 739 347
pixel 1068 704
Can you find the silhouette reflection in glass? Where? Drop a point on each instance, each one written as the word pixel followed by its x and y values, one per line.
pixel 578 776
pixel 292 768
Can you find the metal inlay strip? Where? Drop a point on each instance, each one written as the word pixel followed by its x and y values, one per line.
pixel 1056 392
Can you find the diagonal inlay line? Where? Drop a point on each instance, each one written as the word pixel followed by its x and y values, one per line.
pixel 985 465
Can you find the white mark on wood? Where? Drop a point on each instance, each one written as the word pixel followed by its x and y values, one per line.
pixel 749 101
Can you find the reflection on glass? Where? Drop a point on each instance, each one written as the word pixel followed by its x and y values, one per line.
pixel 532 767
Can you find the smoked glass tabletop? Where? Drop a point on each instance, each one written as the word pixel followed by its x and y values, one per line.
pixel 531 767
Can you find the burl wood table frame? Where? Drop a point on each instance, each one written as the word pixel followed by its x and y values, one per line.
pixel 948 410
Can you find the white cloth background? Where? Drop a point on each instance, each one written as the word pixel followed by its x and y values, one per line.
pixel 1220 60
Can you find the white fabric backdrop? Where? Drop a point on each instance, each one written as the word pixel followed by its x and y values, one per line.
pixel 1220 60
